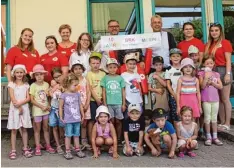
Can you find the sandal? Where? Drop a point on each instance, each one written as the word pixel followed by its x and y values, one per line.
pixel 68 155
pixel 225 127
pixel 110 150
pixel 181 155
pixel 98 151
pixel 80 154
pixel 50 150
pixel 59 150
pixel 38 151
pixel 208 142
pixel 217 142
pixel 192 154
pixel 27 153
pixel 12 155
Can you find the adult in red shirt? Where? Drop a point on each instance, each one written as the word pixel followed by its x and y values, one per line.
pixel 23 53
pixel 66 47
pixel 188 30
pixel 221 49
pixel 53 58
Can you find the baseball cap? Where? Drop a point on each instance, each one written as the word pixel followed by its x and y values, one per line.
pixel 132 107
pixel 193 49
pixel 187 61
pixel 112 61
pixel 130 56
pixel 96 54
pixel 102 109
pixel 159 113
pixel 158 59
pixel 77 62
pixel 175 51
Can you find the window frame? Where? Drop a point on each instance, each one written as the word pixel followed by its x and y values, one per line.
pixel 8 23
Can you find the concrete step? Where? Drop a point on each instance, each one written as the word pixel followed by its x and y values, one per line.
pixel 229 135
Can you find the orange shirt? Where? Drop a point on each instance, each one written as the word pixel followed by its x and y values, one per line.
pixel 67 51
pixel 184 45
pixel 225 46
pixel 51 61
pixel 16 56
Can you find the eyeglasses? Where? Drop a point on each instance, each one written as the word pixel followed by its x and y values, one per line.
pixel 86 40
pixel 215 24
pixel 112 27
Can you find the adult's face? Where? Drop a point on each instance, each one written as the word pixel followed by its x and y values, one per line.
pixel 156 24
pixel 27 37
pixel 50 44
pixel 65 34
pixel 113 28
pixel 85 42
pixel 188 31
pixel 215 32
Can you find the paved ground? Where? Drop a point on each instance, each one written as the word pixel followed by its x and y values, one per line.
pixel 207 156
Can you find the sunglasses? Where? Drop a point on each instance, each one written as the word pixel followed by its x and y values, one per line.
pixel 215 24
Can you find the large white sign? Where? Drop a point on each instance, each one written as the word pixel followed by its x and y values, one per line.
pixel 122 42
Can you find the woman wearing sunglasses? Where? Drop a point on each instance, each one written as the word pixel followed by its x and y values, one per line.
pixel 188 30
pixel 53 58
pixel 221 49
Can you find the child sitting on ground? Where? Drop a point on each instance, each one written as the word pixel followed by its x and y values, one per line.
pixel 134 127
pixel 167 136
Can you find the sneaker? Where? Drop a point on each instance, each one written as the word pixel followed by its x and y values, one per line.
pixel 68 155
pixel 50 150
pixel 37 151
pixel 181 155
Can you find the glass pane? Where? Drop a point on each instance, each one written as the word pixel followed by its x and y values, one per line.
pixel 175 13
pixel 124 12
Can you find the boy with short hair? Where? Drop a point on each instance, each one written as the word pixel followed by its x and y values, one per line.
pixel 134 127
pixel 94 77
pixel 194 55
pixel 113 94
pixel 133 81
pixel 167 134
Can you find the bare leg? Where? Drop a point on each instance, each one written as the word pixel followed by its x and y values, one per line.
pixel 13 139
pixel 118 126
pixel 76 142
pixel 56 136
pixel 37 131
pixel 46 131
pixel 25 137
pixel 90 127
pixel 67 143
pixel 182 148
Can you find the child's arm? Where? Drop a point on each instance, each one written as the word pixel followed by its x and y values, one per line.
pixel 104 96
pixel 198 95
pixel 35 103
pixel 95 97
pixel 217 85
pixel 149 143
pixel 170 88
pixel 123 99
pixel 88 95
pixel 141 137
pixel 114 136
pixel 173 146
pixel 159 91
pixel 195 133
pixel 12 97
pixel 27 98
pixel 161 81
pixel 126 140
pixel 178 96
pixel 94 135
pixel 81 110
pixel 203 81
pixel 61 103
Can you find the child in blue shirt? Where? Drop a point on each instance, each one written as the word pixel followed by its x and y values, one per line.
pixel 167 134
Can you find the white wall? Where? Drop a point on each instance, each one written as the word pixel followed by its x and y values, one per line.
pixel 45 16
pixel 147 12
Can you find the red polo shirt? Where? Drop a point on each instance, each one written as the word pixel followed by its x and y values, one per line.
pixel 16 56
pixel 184 45
pixel 51 61
pixel 225 46
pixel 67 51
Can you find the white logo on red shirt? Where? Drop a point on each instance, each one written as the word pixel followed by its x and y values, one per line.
pixel 34 55
pixel 55 59
pixel 25 55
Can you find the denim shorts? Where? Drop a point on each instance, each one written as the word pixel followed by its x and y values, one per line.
pixel 93 108
pixel 116 111
pixel 72 129
pixel 54 118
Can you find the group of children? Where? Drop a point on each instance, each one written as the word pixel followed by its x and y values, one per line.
pixel 99 106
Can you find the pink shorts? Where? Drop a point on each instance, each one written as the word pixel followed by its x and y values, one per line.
pixel 40 118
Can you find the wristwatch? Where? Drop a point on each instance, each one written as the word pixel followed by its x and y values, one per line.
pixel 229 73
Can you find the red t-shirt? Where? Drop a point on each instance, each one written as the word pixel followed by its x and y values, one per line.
pixel 225 46
pixel 67 51
pixel 184 45
pixel 16 56
pixel 51 61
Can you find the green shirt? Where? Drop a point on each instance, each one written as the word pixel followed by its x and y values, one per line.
pixel 39 94
pixel 113 86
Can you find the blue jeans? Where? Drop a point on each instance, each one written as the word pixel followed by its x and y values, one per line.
pixel 54 118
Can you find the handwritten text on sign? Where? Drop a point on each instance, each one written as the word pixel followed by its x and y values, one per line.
pixel 121 42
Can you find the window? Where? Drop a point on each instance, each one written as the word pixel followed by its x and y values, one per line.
pixel 125 12
pixel 175 13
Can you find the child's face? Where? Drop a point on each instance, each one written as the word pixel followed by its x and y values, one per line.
pixel 187 70
pixel 147 121
pixel 134 115
pixel 103 118
pixel 73 86
pixel 19 74
pixel 39 76
pixel 160 122
pixel 57 76
pixel 78 70
pixel 95 64
pixel 175 58
pixel 131 65
pixel 194 57
pixel 187 117
pixel 112 69
pixel 158 66
pixel 209 63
